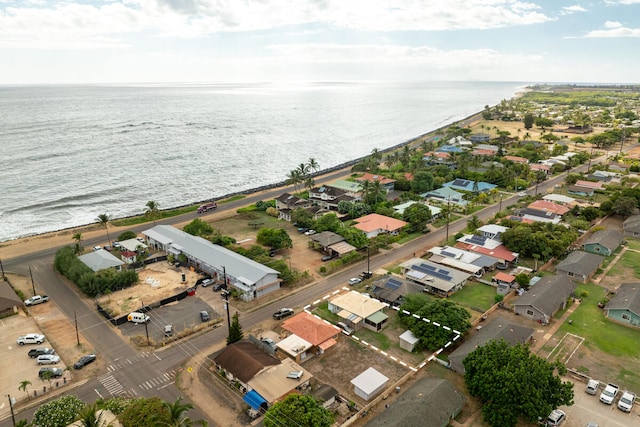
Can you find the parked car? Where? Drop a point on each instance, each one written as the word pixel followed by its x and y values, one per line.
pixel 354 281
pixel 48 359
pixel 271 343
pixel 556 417
pixel 30 339
pixel 327 258
pixel 282 313
pixel 54 372
pixel 84 361
pixel 204 316
pixel 365 275
pixel 625 404
pixel 592 387
pixel 219 287
pixel 310 232
pixel 345 329
pixel 35 352
pixel 36 299
pixel 168 330
pixel 97 248
pixel 207 282
pixel 609 394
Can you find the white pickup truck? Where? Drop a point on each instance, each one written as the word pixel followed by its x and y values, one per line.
pixel 36 299
pixel 30 339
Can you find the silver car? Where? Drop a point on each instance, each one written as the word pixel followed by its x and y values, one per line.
pixel 48 359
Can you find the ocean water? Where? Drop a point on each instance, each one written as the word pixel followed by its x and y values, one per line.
pixel 70 153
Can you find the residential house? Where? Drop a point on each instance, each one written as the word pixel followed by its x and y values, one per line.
pixel 128 256
pixel 387 184
pixel 319 334
pixel 374 224
pixel 624 307
pixel 580 191
pixel 498 328
pixel 9 301
pixel 325 394
pixel 539 167
pixel 470 186
pixel 579 266
pixel 369 384
pixel 559 199
pixel 603 242
pixel 392 290
pixel 329 197
pixel 446 148
pixel 516 159
pixel 287 203
pixel 619 167
pixel 435 158
pixel 488 147
pixel 589 184
pixel 435 211
pixel 548 206
pixel 445 195
pixel 460 141
pixel 133 245
pixel 484 246
pixel 537 215
pixel 469 262
pixel 332 244
pixel 101 260
pixel 359 311
pixel 263 378
pixel 492 231
pixel 435 278
pixel 504 278
pixel 631 226
pixel 605 176
pixel 251 279
pixel 544 299
pixel 352 188
pixel 477 138
pixel 429 402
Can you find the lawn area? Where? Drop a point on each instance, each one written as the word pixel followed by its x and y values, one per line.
pixel 607 260
pixel 610 351
pixel 322 310
pixel 633 243
pixel 476 295
pixel 630 260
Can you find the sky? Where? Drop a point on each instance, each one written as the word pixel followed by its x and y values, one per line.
pixel 153 41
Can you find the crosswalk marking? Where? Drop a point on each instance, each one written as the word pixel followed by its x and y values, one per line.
pixel 111 384
pixel 119 363
pixel 158 381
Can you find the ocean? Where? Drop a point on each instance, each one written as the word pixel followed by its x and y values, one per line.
pixel 70 153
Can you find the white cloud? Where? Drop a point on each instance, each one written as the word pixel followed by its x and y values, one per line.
pixel 614 32
pixel 612 24
pixel 568 10
pixel 71 25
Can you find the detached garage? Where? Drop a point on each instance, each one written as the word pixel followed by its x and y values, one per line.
pixel 369 383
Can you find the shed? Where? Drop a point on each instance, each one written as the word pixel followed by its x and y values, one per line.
pixel 325 394
pixel 408 341
pixel 369 383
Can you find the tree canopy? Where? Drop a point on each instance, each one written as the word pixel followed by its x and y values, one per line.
pixel 59 412
pixel 442 311
pixel 512 383
pixel 235 330
pixel 417 215
pixel 199 228
pixel 298 410
pixel 276 238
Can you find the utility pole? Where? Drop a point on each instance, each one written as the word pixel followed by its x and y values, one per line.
pixel 75 320
pixel 2 268
pixel 13 416
pixel 225 298
pixel 448 216
pixel 500 206
pixel 146 327
pixel 33 286
pixel 368 260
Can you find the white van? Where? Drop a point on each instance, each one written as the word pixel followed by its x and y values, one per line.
pixel 137 317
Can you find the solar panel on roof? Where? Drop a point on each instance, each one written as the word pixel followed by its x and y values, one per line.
pixel 443 271
pixel 428 267
pixel 449 254
pixel 421 269
pixel 441 276
pixel 393 284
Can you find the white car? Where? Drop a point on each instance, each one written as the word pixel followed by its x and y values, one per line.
pixel 48 359
pixel 354 281
pixel 310 232
pixel 625 403
pixel 522 194
pixel 609 394
pixel 30 339
pixel 556 417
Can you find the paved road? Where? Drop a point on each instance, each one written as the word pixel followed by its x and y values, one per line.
pixel 151 374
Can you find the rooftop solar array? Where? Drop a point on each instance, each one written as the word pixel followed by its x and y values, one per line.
pixel 460 182
pixel 393 284
pixel 433 271
pixel 477 240
pixel 448 254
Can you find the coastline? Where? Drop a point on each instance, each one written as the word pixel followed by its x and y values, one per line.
pixel 27 244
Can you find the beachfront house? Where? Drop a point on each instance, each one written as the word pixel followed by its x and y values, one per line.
pixel 101 260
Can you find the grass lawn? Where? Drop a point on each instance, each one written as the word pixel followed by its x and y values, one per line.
pixel 323 311
pixel 476 295
pixel 630 260
pixel 410 237
pixel 379 340
pixel 607 260
pixel 633 243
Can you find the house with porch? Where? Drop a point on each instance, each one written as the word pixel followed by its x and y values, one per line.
pixel 287 203
pixel 470 186
pixel 490 247
pixel 492 231
pixel 624 307
pixel 579 266
pixel 434 278
pixel 392 290
pixel 352 188
pixel 435 211
pixel 438 158
pixel 328 197
pixel 478 138
pixel 580 191
pixel 467 261
pixel 359 311
pixel 543 300
pixel 603 242
pixel 445 195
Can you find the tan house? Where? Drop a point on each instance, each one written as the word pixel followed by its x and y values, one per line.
pixel 359 311
pixel 374 224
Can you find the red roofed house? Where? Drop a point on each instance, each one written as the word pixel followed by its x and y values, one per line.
pixel 128 256
pixel 315 331
pixel 538 167
pixel 504 282
pixel 588 184
pixel 547 206
pixel 516 159
pixel 374 224
pixel 386 183
pixel 482 245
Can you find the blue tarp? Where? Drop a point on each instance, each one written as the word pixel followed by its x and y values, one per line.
pixel 254 400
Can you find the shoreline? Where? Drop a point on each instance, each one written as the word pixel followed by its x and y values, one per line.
pixel 92 230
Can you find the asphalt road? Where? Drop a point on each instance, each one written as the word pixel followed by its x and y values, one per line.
pixel 150 374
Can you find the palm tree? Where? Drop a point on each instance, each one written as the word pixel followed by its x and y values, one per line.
pixel 177 417
pixel 313 164
pixel 103 219
pixel 78 248
pixel 23 386
pixel 91 416
pixel 294 179
pixel 152 210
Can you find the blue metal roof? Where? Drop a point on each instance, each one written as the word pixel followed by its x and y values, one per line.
pixel 254 400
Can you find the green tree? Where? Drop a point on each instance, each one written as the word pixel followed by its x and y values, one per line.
pixel 177 415
pixel 442 311
pixel 474 223
pixel 528 121
pixel 142 412
pixel 417 215
pixel 328 222
pixel 23 386
pixel 543 122
pixel 625 206
pixel 512 383
pixel 91 416
pixel 304 409
pixel 235 331
pixel 302 217
pixel 276 238
pixel 198 227
pixel 78 249
pixel 356 238
pixel 59 412
pixel 103 220
pixel 127 235
pixel 152 210
pixel 423 181
pixel 522 279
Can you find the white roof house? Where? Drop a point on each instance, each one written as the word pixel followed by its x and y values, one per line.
pixel 435 211
pixel 251 278
pixel 492 231
pixel 369 383
pixel 100 260
pixel 434 277
pixel 559 198
pixel 133 245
